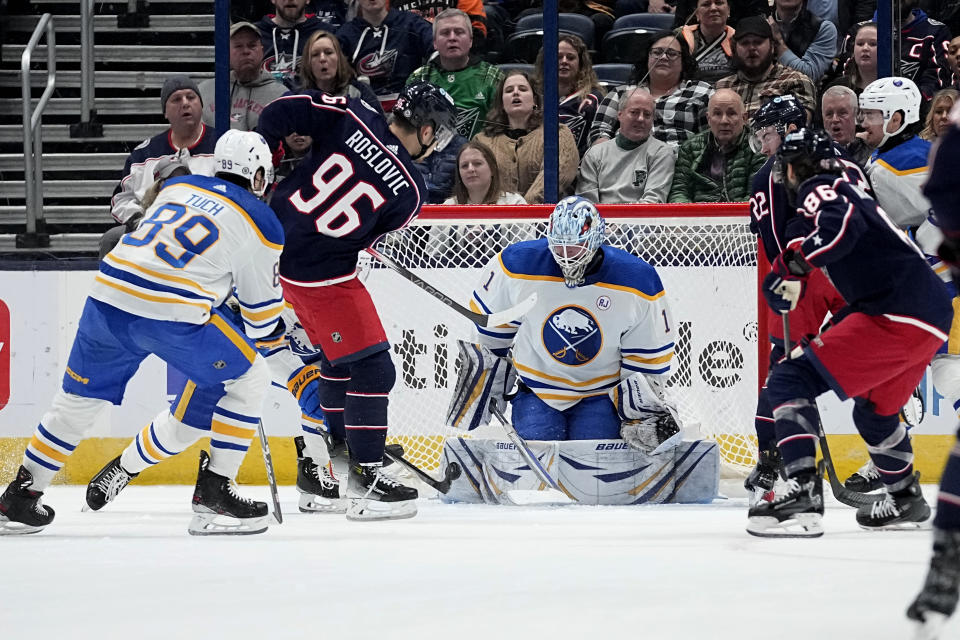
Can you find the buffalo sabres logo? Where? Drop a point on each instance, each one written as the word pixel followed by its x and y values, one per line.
pixel 572 336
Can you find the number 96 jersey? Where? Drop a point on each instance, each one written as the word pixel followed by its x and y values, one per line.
pixel 201 239
pixel 357 184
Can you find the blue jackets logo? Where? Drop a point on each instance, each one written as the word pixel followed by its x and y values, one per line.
pixel 572 336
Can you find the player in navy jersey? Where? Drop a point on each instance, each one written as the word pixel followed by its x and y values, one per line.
pixel 358 183
pixel 898 317
pixel 938 598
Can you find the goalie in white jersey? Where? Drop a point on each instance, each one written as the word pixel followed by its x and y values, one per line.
pixel 158 291
pixel 593 354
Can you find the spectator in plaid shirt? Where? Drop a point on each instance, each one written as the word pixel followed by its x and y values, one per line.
pixel 759 76
pixel 668 71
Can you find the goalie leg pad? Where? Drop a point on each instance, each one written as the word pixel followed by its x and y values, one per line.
pixel 482 377
pixel 946 376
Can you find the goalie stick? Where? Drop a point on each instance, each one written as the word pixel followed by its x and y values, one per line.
pixel 482 319
pixel 271 476
pixel 556 494
pixel 451 473
pixel 825 467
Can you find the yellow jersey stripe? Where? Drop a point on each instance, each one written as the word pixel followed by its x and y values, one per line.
pixel 904 172
pixel 185 396
pixel 578 396
pixel 524 276
pixel 233 205
pixel 248 352
pixel 110 258
pixel 149 298
pixel 659 360
pixel 48 451
pixel 225 429
pixel 637 292
pixel 546 376
pixel 268 312
pixel 145 438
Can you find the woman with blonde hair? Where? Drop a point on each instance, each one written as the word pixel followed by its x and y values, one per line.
pixel 514 133
pixel 323 67
pixel 938 117
pixel 577 84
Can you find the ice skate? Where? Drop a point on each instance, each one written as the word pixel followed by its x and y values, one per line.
pixel 905 509
pixel 865 479
pixel 375 496
pixel 937 601
pixel 796 513
pixel 319 489
pixel 219 510
pixel 340 454
pixel 759 484
pixel 107 484
pixel 21 510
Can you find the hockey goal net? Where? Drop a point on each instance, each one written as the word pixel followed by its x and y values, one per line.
pixel 705 255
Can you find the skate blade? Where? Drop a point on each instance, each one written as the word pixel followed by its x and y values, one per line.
pixel 215 524
pixel 801 525
pixel 926 525
pixel 11 528
pixel 931 627
pixel 362 509
pixel 310 503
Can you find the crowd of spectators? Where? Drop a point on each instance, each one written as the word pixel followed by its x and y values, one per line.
pixel 678 130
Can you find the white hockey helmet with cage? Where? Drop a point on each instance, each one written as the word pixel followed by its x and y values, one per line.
pixel 574 233
pixel 889 95
pixel 244 153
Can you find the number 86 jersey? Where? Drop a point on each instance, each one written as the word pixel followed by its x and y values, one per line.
pixel 357 184
pixel 201 239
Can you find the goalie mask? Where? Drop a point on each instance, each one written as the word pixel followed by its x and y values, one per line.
pixel 575 231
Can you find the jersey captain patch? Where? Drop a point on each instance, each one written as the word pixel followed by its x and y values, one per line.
pixel 572 336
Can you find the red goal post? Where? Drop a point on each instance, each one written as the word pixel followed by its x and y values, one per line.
pixel 706 257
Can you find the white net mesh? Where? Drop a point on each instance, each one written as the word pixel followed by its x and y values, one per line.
pixel 708 266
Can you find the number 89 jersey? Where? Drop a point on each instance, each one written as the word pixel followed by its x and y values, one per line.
pixel 357 184
pixel 201 238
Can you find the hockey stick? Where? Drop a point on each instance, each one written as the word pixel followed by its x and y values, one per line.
pixel 271 476
pixel 825 466
pixel 538 469
pixel 451 473
pixel 484 320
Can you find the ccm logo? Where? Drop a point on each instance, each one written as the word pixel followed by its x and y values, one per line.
pixel 4 354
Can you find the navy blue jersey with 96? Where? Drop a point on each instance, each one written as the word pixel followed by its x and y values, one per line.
pixel 873 265
pixel 357 183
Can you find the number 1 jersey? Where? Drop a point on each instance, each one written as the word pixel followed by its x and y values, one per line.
pixel 356 184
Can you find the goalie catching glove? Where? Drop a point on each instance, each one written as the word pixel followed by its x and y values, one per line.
pixel 649 423
pixel 482 378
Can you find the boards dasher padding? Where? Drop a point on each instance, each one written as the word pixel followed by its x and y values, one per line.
pixel 592 472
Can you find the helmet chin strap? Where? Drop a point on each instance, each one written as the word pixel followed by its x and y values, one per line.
pixel 887 135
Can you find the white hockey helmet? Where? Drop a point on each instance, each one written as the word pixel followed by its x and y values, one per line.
pixel 890 95
pixel 574 233
pixel 244 153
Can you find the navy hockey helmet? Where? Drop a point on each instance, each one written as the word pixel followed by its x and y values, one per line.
pixel 776 116
pixel 809 151
pixel 422 103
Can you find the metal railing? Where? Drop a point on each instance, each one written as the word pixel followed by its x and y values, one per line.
pixel 88 127
pixel 33 132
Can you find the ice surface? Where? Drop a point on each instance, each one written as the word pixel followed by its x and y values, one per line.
pixel 467 571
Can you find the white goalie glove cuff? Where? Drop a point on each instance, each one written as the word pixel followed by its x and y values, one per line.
pixel 649 421
pixel 482 378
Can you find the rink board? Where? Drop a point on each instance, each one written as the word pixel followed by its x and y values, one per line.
pixel 38 318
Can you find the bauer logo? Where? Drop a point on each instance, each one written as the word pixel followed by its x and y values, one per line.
pixel 572 335
pixel 4 354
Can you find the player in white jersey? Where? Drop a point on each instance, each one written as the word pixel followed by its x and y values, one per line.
pixel 158 291
pixel 594 352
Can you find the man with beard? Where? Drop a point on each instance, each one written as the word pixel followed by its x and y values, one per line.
pixel 284 34
pixel 759 76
